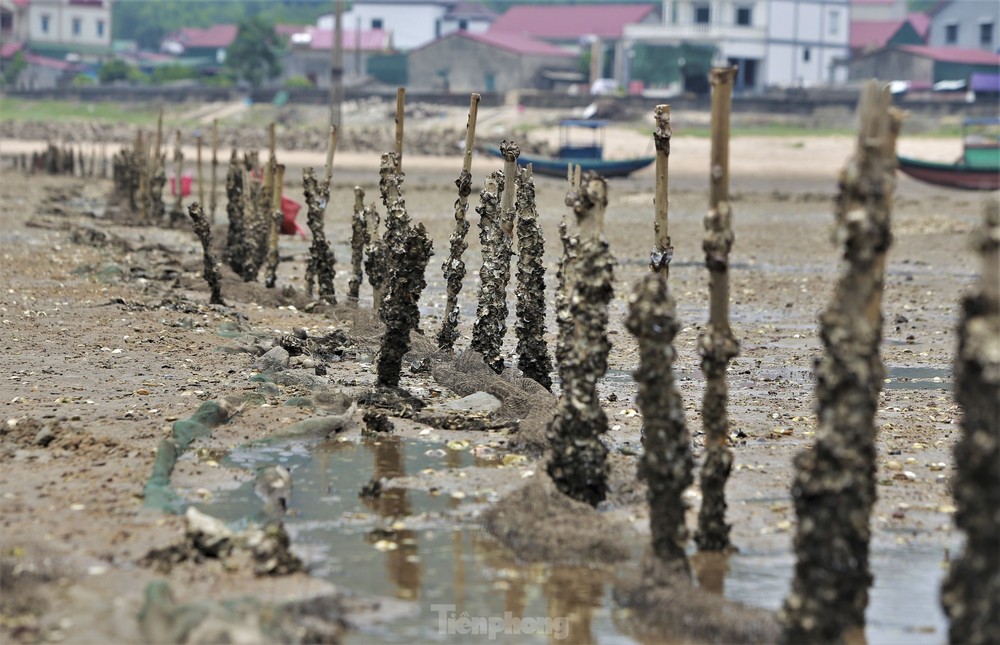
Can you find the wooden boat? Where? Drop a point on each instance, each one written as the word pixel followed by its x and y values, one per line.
pixel 977 169
pixel 589 156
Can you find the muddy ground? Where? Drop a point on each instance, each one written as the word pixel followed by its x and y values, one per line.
pixel 107 339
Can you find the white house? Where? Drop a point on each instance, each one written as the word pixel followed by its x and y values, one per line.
pixel 774 42
pixel 70 23
pixel 413 23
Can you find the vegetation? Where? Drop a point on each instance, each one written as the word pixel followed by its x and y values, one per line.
pixel 148 21
pixel 13 69
pixel 15 109
pixel 255 52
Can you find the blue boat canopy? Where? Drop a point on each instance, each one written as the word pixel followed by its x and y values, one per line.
pixel 583 123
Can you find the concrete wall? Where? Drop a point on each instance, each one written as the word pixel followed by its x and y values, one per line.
pixel 892 65
pixel 315 64
pixel 967 16
pixel 63 17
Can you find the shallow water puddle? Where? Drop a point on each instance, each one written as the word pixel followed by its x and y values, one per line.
pixel 427 548
pixel 918 378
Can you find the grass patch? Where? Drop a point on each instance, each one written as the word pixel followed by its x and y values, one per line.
pixel 15 109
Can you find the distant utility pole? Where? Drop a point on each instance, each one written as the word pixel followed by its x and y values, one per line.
pixel 337 64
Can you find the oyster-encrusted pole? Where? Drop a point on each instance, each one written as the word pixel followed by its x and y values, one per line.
pixel 666 464
pixel 211 270
pixel 321 266
pixel 276 215
pixel 716 343
pixel 663 252
pixel 375 259
pixel 532 350
pixel 834 483
pixel 235 254
pixel 565 281
pixel 578 465
pixel 359 240
pixel 198 170
pixel 970 592
pixel 410 248
pixel 454 265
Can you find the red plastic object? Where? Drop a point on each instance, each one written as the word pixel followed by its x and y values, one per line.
pixel 291 209
pixel 185 185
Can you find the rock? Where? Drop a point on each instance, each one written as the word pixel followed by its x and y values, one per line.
pixel 476 402
pixel 274 360
pixel 209 535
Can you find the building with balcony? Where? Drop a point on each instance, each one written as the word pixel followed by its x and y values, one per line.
pixel 774 43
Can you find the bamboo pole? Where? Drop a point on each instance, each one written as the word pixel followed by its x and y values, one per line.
pixel 454 266
pixel 663 251
pixel 201 178
pixel 716 343
pixel 400 109
pixel 178 169
pixel 215 171
pixel 331 148
pixel 274 224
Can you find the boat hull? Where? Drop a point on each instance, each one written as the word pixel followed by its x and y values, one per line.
pixel 951 175
pixel 605 167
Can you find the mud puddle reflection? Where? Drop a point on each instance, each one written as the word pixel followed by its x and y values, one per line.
pixel 426 548
pixel 416 546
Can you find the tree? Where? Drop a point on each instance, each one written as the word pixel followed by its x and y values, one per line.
pixel 254 52
pixel 113 70
pixel 13 69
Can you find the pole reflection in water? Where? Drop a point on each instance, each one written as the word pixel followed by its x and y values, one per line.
pixel 403 560
pixel 711 569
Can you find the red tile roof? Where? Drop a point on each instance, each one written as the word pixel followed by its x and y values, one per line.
pixel 921 22
pixel 53 63
pixel 217 36
pixel 872 33
pixel 953 55
pixel 9 49
pixel 570 22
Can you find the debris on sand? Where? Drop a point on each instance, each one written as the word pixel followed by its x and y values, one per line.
pixel 834 484
pixel 541 524
pixel 266 549
pixel 970 592
pixel 664 606
pixel 239 620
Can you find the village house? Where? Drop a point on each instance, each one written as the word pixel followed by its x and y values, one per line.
pixel 489 62
pixel 309 53
pixel 969 24
pixel 204 46
pixel 778 43
pixel 413 23
pixel 79 26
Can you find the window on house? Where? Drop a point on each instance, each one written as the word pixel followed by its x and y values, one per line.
pixel 951 34
pixel 744 16
pixel 834 22
pixel 100 29
pixel 702 14
pixel 45 23
pixel 986 34
pixel 463 25
pixel 377 23
pixel 77 26
pixel 806 55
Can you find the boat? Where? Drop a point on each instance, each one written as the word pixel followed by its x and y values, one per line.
pixel 977 169
pixel 589 156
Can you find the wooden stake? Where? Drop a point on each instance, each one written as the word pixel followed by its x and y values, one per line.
pixel 400 106
pixel 331 148
pixel 470 134
pixel 215 168
pixel 201 182
pixel 663 252
pixel 716 343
